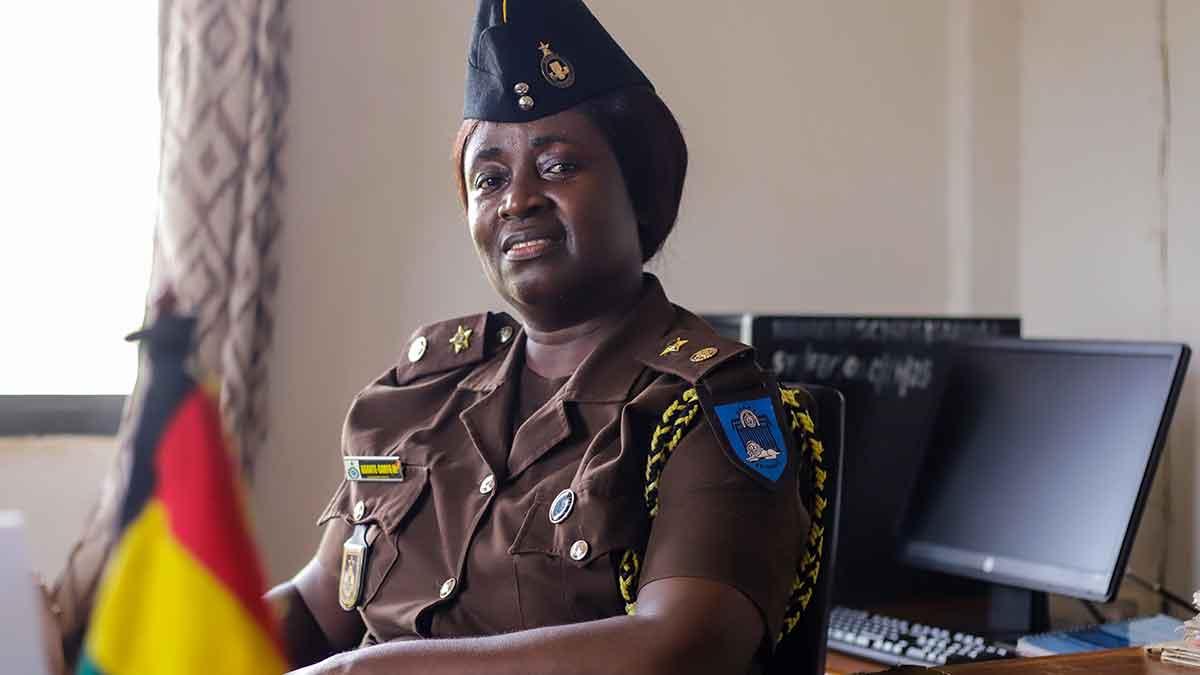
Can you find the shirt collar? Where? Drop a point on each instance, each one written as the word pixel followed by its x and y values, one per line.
pixel 609 372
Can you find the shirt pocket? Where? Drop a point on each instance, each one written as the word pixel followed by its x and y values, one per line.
pixel 386 509
pixel 567 573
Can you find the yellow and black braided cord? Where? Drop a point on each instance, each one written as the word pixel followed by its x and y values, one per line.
pixel 677 419
pixel 809 568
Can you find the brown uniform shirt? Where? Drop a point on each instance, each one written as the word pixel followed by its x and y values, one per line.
pixel 464 545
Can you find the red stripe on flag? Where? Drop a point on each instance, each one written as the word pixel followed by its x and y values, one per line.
pixel 196 484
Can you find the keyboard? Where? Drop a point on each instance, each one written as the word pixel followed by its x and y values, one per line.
pixel 893 641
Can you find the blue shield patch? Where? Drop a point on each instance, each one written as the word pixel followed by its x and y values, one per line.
pixel 754 437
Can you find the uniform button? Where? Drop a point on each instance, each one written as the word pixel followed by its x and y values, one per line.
pixel 488 484
pixel 360 509
pixel 579 550
pixel 416 350
pixel 448 587
pixel 506 334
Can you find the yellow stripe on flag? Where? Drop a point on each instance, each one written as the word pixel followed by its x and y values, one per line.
pixel 161 611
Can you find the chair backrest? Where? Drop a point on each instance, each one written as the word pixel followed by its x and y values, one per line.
pixel 802 652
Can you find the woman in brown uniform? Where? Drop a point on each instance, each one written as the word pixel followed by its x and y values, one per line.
pixel 495 492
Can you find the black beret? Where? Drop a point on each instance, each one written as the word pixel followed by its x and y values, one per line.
pixel 534 58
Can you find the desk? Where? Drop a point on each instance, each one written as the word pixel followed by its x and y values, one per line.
pixel 1132 661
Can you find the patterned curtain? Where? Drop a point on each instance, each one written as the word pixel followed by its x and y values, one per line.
pixel 223 89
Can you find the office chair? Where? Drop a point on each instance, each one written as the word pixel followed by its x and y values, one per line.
pixel 802 651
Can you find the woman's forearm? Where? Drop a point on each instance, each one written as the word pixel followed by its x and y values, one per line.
pixel 683 625
pixel 629 645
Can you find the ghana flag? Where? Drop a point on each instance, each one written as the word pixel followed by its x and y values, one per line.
pixel 182 592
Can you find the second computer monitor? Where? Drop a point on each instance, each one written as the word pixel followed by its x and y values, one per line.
pixel 1040 462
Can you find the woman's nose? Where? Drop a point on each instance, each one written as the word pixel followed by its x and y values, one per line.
pixel 521 203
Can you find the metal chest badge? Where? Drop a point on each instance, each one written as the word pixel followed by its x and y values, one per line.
pixel 557 70
pixel 354 563
pixel 754 436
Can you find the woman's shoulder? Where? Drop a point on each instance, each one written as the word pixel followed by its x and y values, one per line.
pixel 438 359
pixel 457 344
pixel 693 351
pixel 439 369
pixel 692 365
pixel 709 380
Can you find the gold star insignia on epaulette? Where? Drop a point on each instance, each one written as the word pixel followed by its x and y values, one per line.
pixel 704 354
pixel 674 347
pixel 461 340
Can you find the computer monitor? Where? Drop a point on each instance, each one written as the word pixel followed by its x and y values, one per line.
pixel 1040 462
pixel 892 370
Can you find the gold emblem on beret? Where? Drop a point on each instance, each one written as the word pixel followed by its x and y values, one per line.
pixel 674 347
pixel 704 354
pixel 461 340
pixel 557 70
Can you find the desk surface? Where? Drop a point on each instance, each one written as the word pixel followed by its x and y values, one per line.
pixel 1131 661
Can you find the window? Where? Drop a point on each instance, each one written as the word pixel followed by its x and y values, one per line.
pixel 80 134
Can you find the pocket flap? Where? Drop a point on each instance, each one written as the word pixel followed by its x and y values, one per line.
pixel 385 504
pixel 604 523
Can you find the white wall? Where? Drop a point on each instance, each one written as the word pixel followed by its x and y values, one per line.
pixel 1183 283
pixel 992 256
pixel 817 132
pixel 1109 235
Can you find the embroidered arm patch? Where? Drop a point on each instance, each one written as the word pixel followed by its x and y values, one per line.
pixel 753 435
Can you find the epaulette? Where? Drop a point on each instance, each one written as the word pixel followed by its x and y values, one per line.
pixel 455 343
pixel 692 352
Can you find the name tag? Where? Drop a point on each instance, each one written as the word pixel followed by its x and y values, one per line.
pixel 374 469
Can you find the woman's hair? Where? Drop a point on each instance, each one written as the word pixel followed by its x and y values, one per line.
pixel 649 148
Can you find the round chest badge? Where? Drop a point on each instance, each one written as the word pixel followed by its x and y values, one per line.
pixel 561 507
pixel 557 70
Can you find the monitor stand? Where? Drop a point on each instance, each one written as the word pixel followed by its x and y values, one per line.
pixel 1013 612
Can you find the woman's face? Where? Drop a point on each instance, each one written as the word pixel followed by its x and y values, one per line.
pixel 551 217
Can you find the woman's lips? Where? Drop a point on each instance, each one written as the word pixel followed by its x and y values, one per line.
pixel 528 250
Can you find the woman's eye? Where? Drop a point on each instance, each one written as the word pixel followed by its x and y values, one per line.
pixel 487 181
pixel 561 168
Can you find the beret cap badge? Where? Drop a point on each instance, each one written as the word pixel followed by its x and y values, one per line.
pixel 557 70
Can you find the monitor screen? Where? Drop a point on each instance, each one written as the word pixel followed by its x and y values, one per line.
pixel 1040 460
